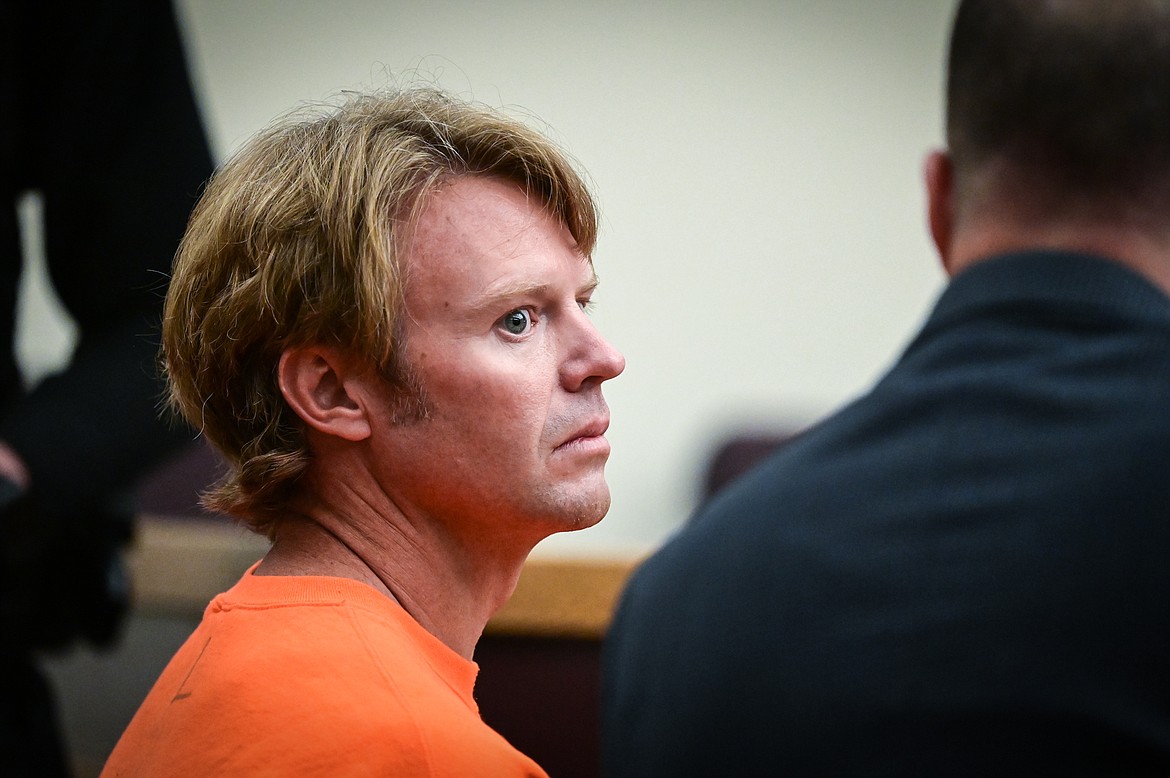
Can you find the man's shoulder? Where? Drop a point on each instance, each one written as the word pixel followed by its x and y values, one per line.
pixel 732 531
pixel 322 681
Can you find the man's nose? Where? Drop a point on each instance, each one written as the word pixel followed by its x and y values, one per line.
pixel 592 359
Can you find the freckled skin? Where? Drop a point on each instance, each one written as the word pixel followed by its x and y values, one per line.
pixel 514 439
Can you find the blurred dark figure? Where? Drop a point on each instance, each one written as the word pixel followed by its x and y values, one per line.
pixel 963 572
pixel 101 121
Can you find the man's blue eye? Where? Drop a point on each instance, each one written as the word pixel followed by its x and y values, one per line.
pixel 517 322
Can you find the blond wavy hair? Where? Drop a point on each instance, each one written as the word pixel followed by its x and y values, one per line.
pixel 300 239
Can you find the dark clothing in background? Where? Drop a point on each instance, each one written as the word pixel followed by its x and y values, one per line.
pixel 101 120
pixel 105 126
pixel 962 573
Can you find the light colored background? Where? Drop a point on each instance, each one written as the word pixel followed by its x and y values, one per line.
pixel 763 252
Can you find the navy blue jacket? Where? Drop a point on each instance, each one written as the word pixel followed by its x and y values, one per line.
pixel 964 572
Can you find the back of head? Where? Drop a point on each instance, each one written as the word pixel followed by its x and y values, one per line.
pixel 1067 101
pixel 299 239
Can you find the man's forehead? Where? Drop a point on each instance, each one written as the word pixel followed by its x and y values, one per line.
pixel 484 237
pixel 472 199
pixel 481 215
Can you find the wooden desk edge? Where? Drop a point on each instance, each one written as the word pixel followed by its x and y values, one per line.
pixel 179 565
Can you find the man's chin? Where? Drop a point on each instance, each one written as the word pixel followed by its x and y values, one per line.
pixel 584 512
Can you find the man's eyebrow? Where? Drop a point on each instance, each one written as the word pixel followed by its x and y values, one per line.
pixel 496 295
pixel 493 296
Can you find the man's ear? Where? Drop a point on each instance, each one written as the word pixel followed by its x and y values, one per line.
pixel 940 203
pixel 318 384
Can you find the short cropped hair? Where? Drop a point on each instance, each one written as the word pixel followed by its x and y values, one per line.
pixel 1073 94
pixel 300 239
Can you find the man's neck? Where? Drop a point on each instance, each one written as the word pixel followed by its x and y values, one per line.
pixel 450 589
pixel 1143 251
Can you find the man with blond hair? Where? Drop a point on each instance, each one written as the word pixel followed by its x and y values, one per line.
pixel 378 316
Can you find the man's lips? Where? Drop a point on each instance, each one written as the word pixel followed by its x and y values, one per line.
pixel 594 430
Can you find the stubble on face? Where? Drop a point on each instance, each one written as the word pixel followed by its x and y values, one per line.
pixel 408 399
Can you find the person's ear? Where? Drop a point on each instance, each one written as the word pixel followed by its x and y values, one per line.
pixel 318 383
pixel 940 203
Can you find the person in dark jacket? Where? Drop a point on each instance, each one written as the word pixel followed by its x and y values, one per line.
pixel 964 571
